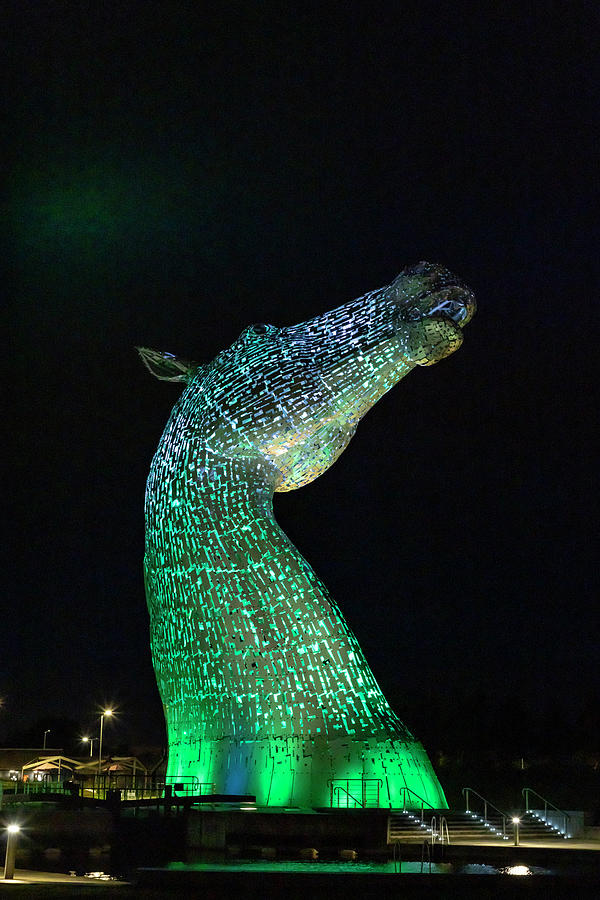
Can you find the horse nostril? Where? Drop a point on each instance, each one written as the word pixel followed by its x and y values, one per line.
pixel 455 311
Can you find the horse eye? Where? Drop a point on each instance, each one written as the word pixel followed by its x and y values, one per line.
pixel 260 328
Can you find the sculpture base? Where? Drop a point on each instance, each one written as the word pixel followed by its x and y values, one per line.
pixel 342 772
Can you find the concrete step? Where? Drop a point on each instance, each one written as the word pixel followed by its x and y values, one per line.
pixel 407 826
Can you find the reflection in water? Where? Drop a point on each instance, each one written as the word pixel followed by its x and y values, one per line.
pixel 481 869
pixel 100 876
pixel 359 866
pixel 477 869
pixel 516 870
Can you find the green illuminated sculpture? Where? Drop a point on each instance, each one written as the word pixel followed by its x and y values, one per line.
pixel 265 689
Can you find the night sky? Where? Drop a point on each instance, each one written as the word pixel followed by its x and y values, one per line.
pixel 175 174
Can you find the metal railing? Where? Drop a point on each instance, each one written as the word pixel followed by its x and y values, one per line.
pixel 547 805
pixel 486 806
pixel 422 800
pixel 129 786
pixel 443 835
pixel 9 791
pixel 347 796
pixel 189 785
pixel 47 787
pixel 27 788
pixel 344 790
pixel 101 787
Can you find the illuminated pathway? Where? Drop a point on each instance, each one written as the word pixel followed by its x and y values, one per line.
pixel 265 689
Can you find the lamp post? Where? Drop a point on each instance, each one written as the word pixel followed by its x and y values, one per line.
pixel 9 860
pixel 90 741
pixel 107 712
pixel 516 822
pixel 46 733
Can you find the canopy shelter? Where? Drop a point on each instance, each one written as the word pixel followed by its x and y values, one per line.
pixel 49 768
pixel 114 765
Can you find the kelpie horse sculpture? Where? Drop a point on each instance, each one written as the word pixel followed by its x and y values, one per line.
pixel 265 688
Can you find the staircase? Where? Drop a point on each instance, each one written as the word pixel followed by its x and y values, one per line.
pixel 534 827
pixel 405 826
pixel 480 823
pixel 555 821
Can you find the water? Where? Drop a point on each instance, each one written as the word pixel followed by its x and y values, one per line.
pixel 361 868
pixel 97 864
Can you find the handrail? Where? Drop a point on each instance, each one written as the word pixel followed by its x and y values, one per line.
pixel 444 825
pixel 347 793
pixel 486 804
pixel 188 780
pixel 566 817
pixel 189 785
pixel 364 783
pixel 406 791
pixel 435 834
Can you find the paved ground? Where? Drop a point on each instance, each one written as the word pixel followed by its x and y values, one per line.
pixel 568 844
pixel 28 876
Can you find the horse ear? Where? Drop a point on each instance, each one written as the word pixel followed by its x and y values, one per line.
pixel 166 366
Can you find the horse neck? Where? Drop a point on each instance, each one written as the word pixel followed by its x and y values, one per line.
pixel 211 524
pixel 200 491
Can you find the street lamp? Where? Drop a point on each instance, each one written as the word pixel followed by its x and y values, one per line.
pixel 9 860
pixel 516 822
pixel 90 741
pixel 107 712
pixel 46 733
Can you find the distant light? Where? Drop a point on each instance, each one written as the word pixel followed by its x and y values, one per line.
pixel 85 740
pixel 516 820
pixel 518 870
pixel 107 712
pixel 13 829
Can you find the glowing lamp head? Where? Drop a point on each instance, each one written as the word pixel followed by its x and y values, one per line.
pixel 13 829
pixel 516 820
pixel 107 712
